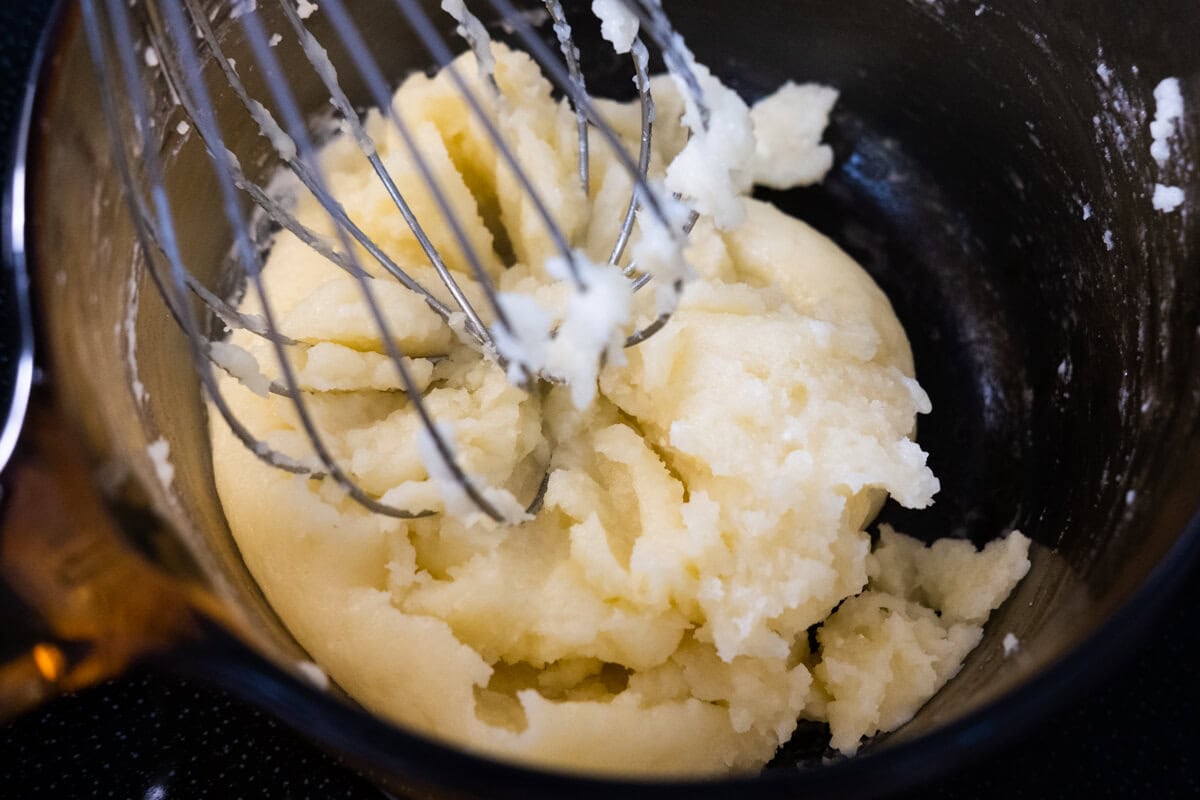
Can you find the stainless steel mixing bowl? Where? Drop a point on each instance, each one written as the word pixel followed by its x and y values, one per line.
pixel 993 173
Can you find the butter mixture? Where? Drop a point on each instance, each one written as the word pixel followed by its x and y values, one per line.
pixel 708 489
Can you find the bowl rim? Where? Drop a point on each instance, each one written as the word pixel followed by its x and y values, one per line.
pixel 16 273
pixel 389 751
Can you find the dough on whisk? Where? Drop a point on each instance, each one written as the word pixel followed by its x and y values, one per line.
pixel 702 514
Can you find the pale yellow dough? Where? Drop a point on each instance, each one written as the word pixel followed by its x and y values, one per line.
pixel 701 514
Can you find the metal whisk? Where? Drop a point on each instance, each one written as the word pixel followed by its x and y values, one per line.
pixel 180 37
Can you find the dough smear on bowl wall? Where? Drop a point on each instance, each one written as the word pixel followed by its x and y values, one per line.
pixel 708 490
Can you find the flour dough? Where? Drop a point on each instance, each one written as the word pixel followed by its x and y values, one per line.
pixel 702 513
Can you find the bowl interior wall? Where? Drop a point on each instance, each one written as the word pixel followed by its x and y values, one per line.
pixel 983 169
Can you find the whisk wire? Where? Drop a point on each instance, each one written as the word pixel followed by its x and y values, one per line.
pixel 653 18
pixel 555 70
pixel 438 48
pixel 267 123
pixel 324 69
pixel 248 255
pixel 566 43
pixel 641 60
pixel 171 24
pixel 349 34
pixel 173 291
pixel 253 266
pixel 295 127
pixel 644 194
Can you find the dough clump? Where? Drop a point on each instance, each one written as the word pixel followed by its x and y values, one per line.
pixel 706 502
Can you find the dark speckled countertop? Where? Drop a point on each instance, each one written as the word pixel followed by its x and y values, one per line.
pixel 157 737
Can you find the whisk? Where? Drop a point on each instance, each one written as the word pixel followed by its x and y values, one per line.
pixel 175 37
